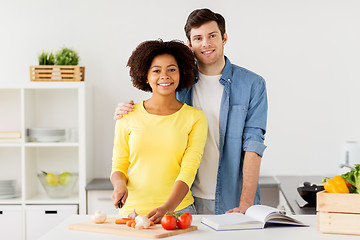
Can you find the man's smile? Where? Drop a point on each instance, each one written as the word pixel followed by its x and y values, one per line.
pixel 208 52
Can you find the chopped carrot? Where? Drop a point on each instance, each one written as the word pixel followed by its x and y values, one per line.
pixel 129 222
pixel 151 223
pixel 122 220
pixel 133 224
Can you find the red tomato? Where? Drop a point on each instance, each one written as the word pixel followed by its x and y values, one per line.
pixel 168 222
pixel 184 220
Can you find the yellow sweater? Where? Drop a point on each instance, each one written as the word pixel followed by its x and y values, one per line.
pixel 154 151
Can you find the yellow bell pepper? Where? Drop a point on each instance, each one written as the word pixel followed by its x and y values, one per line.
pixel 336 185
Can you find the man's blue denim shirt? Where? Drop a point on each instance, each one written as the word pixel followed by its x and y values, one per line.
pixel 243 114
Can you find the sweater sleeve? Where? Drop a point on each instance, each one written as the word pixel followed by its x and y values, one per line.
pixel 120 159
pixel 194 150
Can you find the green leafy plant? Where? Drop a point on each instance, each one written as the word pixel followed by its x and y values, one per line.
pixel 67 56
pixel 46 58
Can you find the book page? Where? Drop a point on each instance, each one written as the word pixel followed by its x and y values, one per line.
pixel 231 218
pixel 231 221
pixel 260 212
pixel 271 215
pixel 283 219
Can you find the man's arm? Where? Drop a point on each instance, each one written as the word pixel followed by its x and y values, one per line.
pixel 251 169
pixel 253 145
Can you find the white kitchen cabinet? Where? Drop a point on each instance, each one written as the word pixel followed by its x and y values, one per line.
pixel 42 218
pixel 100 200
pixel 65 105
pixel 11 227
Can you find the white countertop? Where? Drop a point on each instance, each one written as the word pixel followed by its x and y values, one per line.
pixel 62 232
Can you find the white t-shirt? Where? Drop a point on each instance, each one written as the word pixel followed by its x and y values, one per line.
pixel 207 94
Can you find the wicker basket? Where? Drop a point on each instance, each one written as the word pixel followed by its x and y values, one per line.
pixel 57 73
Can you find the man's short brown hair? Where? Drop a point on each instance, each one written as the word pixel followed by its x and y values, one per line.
pixel 200 16
pixel 142 57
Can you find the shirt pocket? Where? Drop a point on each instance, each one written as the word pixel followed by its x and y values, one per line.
pixel 236 121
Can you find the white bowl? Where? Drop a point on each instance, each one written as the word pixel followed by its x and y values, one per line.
pixel 42 132
pixel 49 139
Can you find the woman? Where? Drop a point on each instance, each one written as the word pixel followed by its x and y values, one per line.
pixel 159 145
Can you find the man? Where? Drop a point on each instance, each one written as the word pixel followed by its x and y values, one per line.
pixel 235 102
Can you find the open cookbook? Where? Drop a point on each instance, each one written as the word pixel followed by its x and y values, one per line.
pixel 257 216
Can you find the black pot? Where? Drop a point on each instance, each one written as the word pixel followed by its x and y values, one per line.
pixel 308 192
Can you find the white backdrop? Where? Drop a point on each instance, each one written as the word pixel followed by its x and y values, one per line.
pixel 308 51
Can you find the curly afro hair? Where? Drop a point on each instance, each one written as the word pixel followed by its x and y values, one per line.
pixel 142 57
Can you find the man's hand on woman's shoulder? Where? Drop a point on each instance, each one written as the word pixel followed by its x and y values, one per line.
pixel 122 109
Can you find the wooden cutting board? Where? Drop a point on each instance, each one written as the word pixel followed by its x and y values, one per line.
pixel 110 227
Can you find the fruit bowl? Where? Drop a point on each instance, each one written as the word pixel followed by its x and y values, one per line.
pixel 58 185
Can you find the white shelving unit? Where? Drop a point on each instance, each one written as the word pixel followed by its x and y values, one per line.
pixel 45 105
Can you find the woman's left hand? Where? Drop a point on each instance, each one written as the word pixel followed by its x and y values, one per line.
pixel 156 214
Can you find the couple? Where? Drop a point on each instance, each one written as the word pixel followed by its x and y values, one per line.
pixel 159 142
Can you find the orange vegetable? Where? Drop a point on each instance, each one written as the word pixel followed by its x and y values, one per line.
pixel 129 222
pixel 133 224
pixel 151 223
pixel 122 220
pixel 336 185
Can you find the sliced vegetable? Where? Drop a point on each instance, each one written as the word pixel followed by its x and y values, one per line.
pixel 353 178
pixel 129 222
pixel 122 220
pixel 336 185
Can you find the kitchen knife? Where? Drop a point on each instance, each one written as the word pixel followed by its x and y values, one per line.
pixel 120 204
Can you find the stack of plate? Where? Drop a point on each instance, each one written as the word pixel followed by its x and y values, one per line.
pixel 46 134
pixel 7 188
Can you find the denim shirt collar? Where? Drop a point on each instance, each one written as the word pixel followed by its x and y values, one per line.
pixel 225 76
pixel 227 72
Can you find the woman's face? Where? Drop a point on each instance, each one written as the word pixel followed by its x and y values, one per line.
pixel 163 75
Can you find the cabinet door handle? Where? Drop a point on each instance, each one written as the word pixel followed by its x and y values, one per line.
pixel 104 199
pixel 1 212
pixel 50 212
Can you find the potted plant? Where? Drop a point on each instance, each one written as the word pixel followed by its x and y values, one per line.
pixel 66 56
pixel 45 58
pixel 61 67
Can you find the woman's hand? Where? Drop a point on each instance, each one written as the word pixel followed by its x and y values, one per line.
pixel 118 180
pixel 123 108
pixel 178 193
pixel 156 214
pixel 120 193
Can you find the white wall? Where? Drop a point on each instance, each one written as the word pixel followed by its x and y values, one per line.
pixel 308 51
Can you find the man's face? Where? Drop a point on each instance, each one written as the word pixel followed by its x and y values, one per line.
pixel 207 43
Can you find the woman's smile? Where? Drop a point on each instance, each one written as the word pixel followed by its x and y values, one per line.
pixel 163 75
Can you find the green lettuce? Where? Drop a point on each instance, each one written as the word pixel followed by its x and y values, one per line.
pixel 353 178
